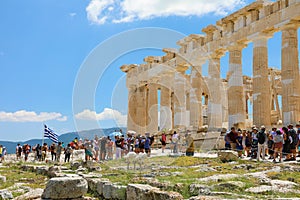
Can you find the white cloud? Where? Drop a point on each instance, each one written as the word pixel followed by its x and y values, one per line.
pixel 106 114
pixel 30 116
pixel 72 14
pixel 120 11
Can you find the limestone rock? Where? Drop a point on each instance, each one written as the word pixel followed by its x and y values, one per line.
pixel 118 192
pixel 75 165
pixel 204 198
pixel 5 194
pixel 232 185
pixel 140 191
pixel 92 183
pixel 65 188
pixel 107 190
pixel 33 194
pixel 2 179
pixel 260 189
pixel 197 189
pixel 163 195
pixel 228 156
pixel 54 171
pixel 99 186
pixel 42 170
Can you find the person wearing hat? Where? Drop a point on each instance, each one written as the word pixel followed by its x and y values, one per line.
pixel 254 142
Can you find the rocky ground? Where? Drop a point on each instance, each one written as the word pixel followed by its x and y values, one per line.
pixel 212 175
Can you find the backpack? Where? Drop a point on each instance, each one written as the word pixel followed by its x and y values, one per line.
pixel 261 137
pixel 294 136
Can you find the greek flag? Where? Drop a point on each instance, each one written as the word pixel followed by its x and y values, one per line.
pixel 50 134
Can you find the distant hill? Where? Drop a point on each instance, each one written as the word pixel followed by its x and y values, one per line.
pixel 66 138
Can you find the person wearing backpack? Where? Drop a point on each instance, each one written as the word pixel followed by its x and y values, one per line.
pixel 294 142
pixel 262 140
pixel 286 144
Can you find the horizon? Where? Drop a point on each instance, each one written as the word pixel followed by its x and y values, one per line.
pixel 60 62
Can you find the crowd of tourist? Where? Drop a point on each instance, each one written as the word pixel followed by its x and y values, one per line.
pixel 98 149
pixel 276 144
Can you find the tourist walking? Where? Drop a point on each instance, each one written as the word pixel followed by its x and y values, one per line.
pixel 278 145
pixel 103 143
pixel 53 151
pixel 59 149
pixel 118 147
pixel 163 141
pixel 262 140
pixel 96 144
pixel 26 151
pixel 239 144
pixel 147 146
pixel 44 151
pixel 110 145
pixel 19 151
pixel 68 152
pixel 175 140
pixel 232 135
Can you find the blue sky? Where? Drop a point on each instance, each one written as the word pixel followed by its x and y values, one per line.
pixel 45 45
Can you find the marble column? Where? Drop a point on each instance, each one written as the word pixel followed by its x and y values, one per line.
pixel 165 108
pixel 214 111
pixel 196 118
pixel 290 75
pixel 180 100
pixel 141 110
pixel 152 119
pixel 132 102
pixel 235 92
pixel 261 84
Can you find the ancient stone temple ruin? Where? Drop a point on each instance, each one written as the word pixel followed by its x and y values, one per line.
pixel 189 101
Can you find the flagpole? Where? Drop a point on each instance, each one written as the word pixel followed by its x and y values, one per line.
pixel 43 134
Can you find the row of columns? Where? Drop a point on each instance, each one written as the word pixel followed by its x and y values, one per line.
pixel 142 102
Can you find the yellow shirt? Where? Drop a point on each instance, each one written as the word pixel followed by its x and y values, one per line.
pixel 1 149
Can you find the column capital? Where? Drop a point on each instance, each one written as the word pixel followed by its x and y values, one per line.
pixel 218 54
pixel 181 68
pixel 237 47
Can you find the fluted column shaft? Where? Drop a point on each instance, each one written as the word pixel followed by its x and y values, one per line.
pixel 290 76
pixel 196 118
pixel 131 114
pixel 165 108
pixel 152 119
pixel 215 87
pixel 141 110
pixel 180 101
pixel 261 84
pixel 236 97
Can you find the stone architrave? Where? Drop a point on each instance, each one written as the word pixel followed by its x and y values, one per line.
pixel 215 86
pixel 236 97
pixel 152 118
pixel 261 84
pixel 290 75
pixel 196 118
